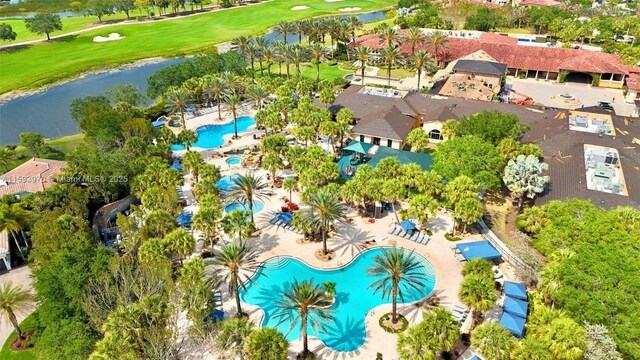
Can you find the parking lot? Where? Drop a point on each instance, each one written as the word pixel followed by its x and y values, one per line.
pixel 543 91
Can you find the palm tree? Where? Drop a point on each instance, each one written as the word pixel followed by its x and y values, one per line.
pixel 251 51
pixel 180 243
pixel 233 100
pixel 398 272
pixel 391 56
pixel 248 188
pixel 363 54
pixel 257 93
pixel 493 341
pixel 415 37
pixel 299 27
pixel 478 293
pixel 302 303
pixel 354 25
pixel 268 56
pixel 261 45
pixel 283 28
pixel 241 43
pixel 297 55
pixel 235 263
pixel 208 220
pixel 187 138
pixel 317 51
pixel 322 211
pixel 214 89
pixel 280 49
pixel 6 156
pixel 177 101
pixel 437 40
pixel 421 60
pixel 192 161
pixel 13 219
pixel 238 224
pixel 290 184
pixel 437 332
pixel 388 37
pixel 14 300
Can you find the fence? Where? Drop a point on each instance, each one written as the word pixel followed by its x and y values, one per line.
pixel 502 248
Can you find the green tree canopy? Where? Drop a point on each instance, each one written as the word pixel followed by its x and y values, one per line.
pixel 43 24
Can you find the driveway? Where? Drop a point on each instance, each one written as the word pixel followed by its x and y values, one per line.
pixel 542 92
pixel 17 276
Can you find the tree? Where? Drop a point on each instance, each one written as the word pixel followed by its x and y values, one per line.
pixel 196 294
pixel 388 37
pixel 484 19
pixel 180 243
pixel 187 137
pixel 394 190
pixel 34 142
pixel 233 337
pixel 283 28
pixel 492 341
pixel 6 32
pixel 125 93
pixel 235 263
pixel 208 220
pixel 305 302
pixel 43 24
pixel 318 52
pixel 214 89
pixel 14 301
pixel 478 293
pixel 418 139
pixel 14 219
pixel 193 162
pixel 290 184
pixel 233 100
pixel 398 272
pixel 523 177
pixel 600 346
pixel 246 189
pixel 267 344
pixel 272 163
pixel 391 57
pixel 101 8
pixel 437 40
pixel 421 60
pixel 492 126
pixel 7 155
pixel 531 349
pixel 125 6
pixel 566 338
pixel 437 332
pixel 415 37
pixel 177 101
pixel 363 54
pixel 238 224
pixel 468 211
pixel 322 211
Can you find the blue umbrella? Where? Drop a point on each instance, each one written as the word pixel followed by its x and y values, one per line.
pixel 176 166
pixel 408 225
pixel 217 315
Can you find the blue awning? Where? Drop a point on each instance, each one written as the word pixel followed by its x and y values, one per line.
pixel 184 218
pixel 513 323
pixel 285 216
pixel 475 357
pixel 158 123
pixel 515 290
pixel 408 225
pixel 176 166
pixel 515 306
pixel 358 147
pixel 478 249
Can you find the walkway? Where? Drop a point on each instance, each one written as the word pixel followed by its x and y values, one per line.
pixel 17 276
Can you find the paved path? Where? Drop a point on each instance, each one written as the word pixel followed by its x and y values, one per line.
pixel 17 276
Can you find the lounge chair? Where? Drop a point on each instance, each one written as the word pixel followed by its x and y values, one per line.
pixel 415 236
pixel 425 239
pixel 460 307
pixel 397 231
pixel 391 230
pixel 402 233
pixel 274 220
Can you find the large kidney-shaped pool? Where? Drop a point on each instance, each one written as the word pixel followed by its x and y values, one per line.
pixel 211 136
pixel 354 299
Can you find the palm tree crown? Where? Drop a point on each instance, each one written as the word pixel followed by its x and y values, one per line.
pixel 248 188
pixel 14 300
pixel 321 211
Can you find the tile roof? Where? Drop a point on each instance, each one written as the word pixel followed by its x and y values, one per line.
pixel 390 123
pixel 633 81
pixel 480 67
pixel 493 38
pixel 32 176
pixel 363 104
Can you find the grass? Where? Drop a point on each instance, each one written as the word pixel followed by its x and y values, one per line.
pixel 515 30
pixel 57 150
pixel 29 323
pixel 401 73
pixel 74 54
pixel 327 72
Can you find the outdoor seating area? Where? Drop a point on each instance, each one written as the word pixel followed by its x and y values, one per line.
pixel 515 308
pixel 407 229
pixel 476 250
pixel 459 312
pixel 283 220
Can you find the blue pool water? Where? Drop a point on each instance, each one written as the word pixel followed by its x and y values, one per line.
pixel 354 299
pixel 233 161
pixel 210 136
pixel 257 206
pixel 226 182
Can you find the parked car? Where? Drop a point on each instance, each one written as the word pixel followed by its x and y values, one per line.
pixel 605 105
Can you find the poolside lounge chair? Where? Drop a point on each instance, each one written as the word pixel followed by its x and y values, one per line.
pixel 423 239
pixel 416 235
pixel 402 233
pixel 391 230
pixel 460 307
pixel 397 231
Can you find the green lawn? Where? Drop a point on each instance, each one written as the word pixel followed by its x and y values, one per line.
pixel 400 73
pixel 58 148
pixel 327 72
pixel 67 57
pixel 6 353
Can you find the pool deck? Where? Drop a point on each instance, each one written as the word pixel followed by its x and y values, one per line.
pixel 347 243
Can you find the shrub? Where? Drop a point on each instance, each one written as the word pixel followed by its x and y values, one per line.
pixel 402 319
pixel 451 237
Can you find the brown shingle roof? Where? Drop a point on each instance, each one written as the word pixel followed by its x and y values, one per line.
pixel 390 123
pixel 32 176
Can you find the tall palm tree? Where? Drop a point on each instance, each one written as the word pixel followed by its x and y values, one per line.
pixel 493 341
pixel 421 60
pixel 283 28
pixel 248 188
pixel 298 55
pixel 479 293
pixel 279 52
pixel 177 101
pixel 180 243
pixel 233 100
pixel 214 89
pixel 343 34
pixel 251 51
pixel 397 272
pixel 261 45
pixel 238 224
pixel 415 37
pixel 235 263
pixel 6 156
pixel 268 56
pixel 388 36
pixel 317 51
pixel 391 56
pixel 14 219
pixel 437 40
pixel 241 43
pixel 299 27
pixel 14 300
pixel 323 210
pixel 363 54
pixel 257 93
pixel 208 221
pixel 354 25
pixel 302 303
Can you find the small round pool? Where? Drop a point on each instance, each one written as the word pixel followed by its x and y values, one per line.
pixel 226 182
pixel 233 161
pixel 257 206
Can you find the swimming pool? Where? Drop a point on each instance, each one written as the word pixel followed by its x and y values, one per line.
pixel 210 136
pixel 354 299
pixel 233 161
pixel 257 206
pixel 226 182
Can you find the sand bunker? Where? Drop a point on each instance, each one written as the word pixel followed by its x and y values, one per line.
pixel 111 37
pixel 299 7
pixel 350 9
